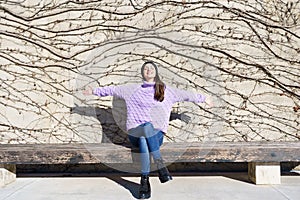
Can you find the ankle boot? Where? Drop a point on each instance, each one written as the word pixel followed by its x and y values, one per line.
pixel 145 189
pixel 163 172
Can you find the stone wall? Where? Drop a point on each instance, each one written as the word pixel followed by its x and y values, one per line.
pixel 245 54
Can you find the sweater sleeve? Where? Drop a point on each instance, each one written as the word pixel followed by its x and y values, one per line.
pixel 108 91
pixel 179 95
pixel 121 91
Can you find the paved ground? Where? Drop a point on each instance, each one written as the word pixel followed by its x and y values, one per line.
pixel 223 186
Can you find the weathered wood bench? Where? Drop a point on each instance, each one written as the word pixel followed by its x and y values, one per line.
pixel 263 157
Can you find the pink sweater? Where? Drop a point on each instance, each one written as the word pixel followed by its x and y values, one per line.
pixel 141 105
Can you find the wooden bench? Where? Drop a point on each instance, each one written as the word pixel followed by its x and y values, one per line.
pixel 263 157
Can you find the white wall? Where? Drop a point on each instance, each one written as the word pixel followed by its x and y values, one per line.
pixel 244 54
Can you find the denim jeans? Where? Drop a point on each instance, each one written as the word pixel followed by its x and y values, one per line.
pixel 149 141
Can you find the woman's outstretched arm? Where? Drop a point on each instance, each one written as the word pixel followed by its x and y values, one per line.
pixel 121 91
pixel 105 91
pixel 179 95
pixel 100 91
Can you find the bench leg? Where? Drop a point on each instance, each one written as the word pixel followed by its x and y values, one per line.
pixel 7 174
pixel 264 173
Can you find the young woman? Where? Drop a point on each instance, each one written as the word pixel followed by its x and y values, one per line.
pixel 148 110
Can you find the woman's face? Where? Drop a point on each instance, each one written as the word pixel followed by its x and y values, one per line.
pixel 149 72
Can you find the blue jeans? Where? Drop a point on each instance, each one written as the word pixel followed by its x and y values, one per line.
pixel 148 140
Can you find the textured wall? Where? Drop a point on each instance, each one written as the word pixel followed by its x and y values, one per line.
pixel 245 54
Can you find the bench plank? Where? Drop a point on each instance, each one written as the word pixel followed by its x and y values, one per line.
pixel 263 157
pixel 181 152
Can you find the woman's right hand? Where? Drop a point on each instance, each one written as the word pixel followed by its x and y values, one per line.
pixel 88 91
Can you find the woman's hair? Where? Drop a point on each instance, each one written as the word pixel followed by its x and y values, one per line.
pixel 159 86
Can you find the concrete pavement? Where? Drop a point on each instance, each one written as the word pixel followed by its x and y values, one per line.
pixel 223 186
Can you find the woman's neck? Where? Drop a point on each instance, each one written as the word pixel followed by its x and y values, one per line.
pixel 147 84
pixel 150 80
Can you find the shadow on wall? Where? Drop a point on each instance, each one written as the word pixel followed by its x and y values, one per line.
pixel 112 132
pixel 113 120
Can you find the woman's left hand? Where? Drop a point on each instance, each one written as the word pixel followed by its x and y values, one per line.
pixel 209 101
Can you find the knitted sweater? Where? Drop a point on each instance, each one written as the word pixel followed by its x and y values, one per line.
pixel 141 105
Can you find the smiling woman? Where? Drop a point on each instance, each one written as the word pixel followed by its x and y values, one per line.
pixel 150 74
pixel 149 107
pixel 149 71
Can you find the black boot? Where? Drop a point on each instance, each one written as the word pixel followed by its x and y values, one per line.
pixel 145 189
pixel 163 171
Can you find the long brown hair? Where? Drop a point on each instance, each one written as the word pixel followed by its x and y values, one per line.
pixel 159 87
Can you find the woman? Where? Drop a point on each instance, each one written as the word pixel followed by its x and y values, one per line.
pixel 148 110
